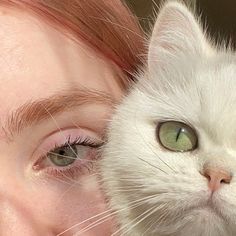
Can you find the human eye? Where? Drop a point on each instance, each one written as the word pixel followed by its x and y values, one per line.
pixel 67 153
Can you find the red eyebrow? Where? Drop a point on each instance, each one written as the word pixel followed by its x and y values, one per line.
pixel 39 110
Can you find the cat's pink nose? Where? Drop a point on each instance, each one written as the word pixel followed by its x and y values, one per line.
pixel 217 178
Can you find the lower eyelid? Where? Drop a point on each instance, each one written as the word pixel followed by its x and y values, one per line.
pixel 72 172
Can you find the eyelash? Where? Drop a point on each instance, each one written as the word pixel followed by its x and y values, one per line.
pixel 87 142
pixel 72 171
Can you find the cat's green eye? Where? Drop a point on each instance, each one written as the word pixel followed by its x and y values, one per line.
pixel 177 136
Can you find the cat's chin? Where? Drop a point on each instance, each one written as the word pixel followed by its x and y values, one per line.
pixel 205 219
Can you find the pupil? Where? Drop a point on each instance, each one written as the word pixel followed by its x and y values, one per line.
pixel 178 134
pixel 61 152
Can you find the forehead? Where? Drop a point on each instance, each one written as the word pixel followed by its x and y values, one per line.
pixel 23 38
pixel 37 60
pixel 28 44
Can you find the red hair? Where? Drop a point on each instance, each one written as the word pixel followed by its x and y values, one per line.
pixel 107 26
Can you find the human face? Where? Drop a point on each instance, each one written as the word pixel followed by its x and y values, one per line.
pixel 48 100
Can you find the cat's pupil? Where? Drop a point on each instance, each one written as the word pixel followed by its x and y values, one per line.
pixel 178 134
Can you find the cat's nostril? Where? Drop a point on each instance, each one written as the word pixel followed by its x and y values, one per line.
pixel 207 176
pixel 216 178
pixel 226 181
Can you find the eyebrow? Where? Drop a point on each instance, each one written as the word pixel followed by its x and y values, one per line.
pixel 36 111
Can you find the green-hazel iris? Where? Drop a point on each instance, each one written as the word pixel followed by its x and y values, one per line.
pixel 177 136
pixel 63 156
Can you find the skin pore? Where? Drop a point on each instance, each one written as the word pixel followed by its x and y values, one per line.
pixel 54 91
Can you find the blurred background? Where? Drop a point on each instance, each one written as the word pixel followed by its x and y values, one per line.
pixel 218 15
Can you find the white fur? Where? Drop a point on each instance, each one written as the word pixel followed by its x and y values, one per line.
pixel 157 192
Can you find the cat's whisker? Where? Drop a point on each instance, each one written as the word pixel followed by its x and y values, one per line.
pixel 133 188
pixel 158 168
pixel 82 222
pixel 96 223
pixel 64 179
pixel 151 148
pixel 162 217
pixel 59 128
pixel 133 204
pixel 154 221
pixel 105 218
pixel 72 181
pixel 126 190
pixel 155 7
pixel 149 212
pixel 148 144
pixel 140 216
pixel 70 157
pixel 93 226
pixel 154 166
pixel 64 193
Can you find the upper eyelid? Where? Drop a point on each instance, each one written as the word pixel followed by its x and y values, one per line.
pixel 50 139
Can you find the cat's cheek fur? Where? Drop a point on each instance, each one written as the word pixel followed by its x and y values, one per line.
pixel 151 190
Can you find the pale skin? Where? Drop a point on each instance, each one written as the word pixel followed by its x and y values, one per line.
pixel 39 62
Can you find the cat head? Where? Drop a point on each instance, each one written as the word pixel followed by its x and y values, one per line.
pixel 170 163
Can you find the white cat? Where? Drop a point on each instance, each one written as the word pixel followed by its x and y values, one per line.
pixel 169 166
